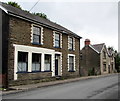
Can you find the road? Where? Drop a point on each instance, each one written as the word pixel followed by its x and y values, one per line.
pixel 96 88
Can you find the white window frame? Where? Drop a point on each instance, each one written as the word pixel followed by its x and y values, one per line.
pixel 74 61
pixel 30 50
pixel 39 63
pixel 73 43
pixel 41 40
pixel 50 62
pixel 54 32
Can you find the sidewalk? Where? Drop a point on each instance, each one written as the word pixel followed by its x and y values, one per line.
pixel 23 88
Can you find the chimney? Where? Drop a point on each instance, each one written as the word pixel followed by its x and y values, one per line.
pixel 87 42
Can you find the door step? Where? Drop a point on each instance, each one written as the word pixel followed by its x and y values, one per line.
pixel 57 77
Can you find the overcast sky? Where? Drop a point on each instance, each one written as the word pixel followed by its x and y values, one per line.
pixel 95 20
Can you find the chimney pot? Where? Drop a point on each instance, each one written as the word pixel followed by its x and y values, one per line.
pixel 87 42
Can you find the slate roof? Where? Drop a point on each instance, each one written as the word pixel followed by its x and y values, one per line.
pixel 23 14
pixel 98 47
pixel 111 52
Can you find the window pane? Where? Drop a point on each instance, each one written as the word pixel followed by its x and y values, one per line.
pixel 57 36
pixel 36 35
pixel 36 62
pixel 71 40
pixel 37 67
pixel 36 30
pixel 33 66
pixel 57 43
pixel 71 43
pixel 22 61
pixel 71 59
pixel 104 67
pixel 36 39
pixel 71 67
pixel 71 63
pixel 47 62
pixel 57 40
pixel 70 46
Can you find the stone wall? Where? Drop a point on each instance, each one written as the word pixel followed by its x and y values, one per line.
pixel 20 33
pixel 90 59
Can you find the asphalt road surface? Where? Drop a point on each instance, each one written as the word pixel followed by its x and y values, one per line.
pixel 96 88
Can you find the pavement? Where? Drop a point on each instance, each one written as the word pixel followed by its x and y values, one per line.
pixel 23 88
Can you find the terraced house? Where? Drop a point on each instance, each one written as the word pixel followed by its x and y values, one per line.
pixel 36 48
pixel 96 59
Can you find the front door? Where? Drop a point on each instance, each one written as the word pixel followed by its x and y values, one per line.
pixel 56 67
pixel 109 69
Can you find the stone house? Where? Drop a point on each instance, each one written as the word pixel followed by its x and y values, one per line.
pixel 96 59
pixel 36 48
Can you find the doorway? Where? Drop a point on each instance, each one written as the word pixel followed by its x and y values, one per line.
pixel 57 64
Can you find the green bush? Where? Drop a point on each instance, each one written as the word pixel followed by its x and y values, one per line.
pixel 91 71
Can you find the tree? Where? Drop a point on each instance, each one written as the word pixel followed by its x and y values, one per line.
pixel 14 4
pixel 41 15
pixel 117 61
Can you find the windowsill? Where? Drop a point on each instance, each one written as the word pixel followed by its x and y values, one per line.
pixel 71 71
pixel 57 47
pixel 47 71
pixel 22 72
pixel 71 50
pixel 34 72
pixel 37 44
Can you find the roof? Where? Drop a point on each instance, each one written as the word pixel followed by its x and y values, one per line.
pixel 98 47
pixel 110 52
pixel 10 10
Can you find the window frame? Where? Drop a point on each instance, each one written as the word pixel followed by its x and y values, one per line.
pixel 40 34
pixel 45 70
pixel 71 63
pixel 104 67
pixel 25 53
pixel 71 43
pixel 74 65
pixel 56 33
pixel 104 54
pixel 40 56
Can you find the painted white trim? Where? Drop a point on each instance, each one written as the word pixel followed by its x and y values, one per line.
pixel 74 61
pixel 68 62
pixel 33 49
pixel 61 40
pixel 73 43
pixel 58 52
pixel 30 50
pixel 29 61
pixel 15 63
pixel 60 63
pixel 4 9
pixel 68 42
pixel 94 49
pixel 31 33
pixel 53 64
pixel 41 42
pixel 54 38
pixel 42 61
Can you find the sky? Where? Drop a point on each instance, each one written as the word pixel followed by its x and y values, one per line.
pixel 96 20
